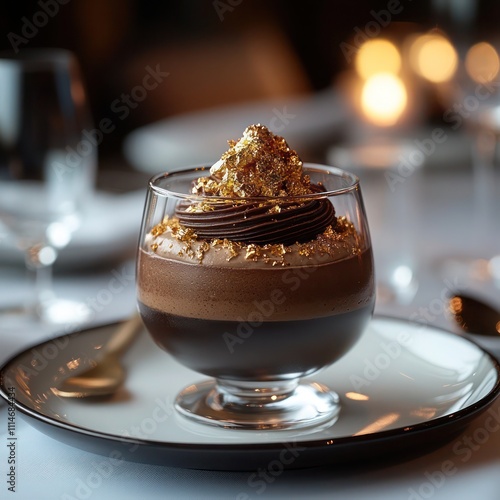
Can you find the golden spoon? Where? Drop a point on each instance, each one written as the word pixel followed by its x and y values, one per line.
pixel 108 374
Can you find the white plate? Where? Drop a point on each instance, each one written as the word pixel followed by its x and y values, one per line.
pixel 404 388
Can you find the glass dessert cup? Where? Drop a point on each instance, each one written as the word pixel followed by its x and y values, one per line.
pixel 256 318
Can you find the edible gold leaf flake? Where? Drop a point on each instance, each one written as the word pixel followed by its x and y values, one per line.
pixel 259 164
pixel 344 238
pixel 159 228
pixel 251 252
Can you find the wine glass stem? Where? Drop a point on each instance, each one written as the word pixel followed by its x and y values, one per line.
pixel 41 280
pixel 484 182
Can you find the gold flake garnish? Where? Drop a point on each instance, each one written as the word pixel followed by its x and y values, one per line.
pixel 201 250
pixel 159 228
pixel 251 252
pixel 343 239
pixel 232 247
pixel 200 207
pixel 258 164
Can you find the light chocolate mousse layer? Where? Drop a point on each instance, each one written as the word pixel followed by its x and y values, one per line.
pixel 223 280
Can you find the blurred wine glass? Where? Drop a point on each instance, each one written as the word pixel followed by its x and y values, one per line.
pixel 392 204
pixel 476 89
pixel 47 167
pixel 486 176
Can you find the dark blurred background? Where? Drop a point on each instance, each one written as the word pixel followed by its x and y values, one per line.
pixel 218 52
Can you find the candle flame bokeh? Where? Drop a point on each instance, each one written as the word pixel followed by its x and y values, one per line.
pixel 434 58
pixel 377 56
pixel 383 99
pixel 482 62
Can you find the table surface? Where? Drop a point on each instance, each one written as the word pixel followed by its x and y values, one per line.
pixel 464 468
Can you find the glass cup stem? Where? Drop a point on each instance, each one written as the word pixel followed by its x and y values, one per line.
pixel 253 394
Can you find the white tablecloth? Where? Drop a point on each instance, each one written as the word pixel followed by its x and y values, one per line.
pixel 468 467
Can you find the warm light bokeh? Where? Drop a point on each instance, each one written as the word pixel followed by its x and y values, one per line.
pixel 383 99
pixel 377 56
pixel 482 62
pixel 434 58
pixel 356 396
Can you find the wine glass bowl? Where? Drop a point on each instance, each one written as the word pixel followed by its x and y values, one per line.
pixel 257 317
pixel 47 168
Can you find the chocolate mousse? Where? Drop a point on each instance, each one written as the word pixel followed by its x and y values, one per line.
pixel 254 267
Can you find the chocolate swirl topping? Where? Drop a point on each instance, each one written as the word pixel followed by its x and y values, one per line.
pixel 260 223
pixel 253 175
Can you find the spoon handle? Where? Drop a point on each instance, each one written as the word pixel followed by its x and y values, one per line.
pixel 124 335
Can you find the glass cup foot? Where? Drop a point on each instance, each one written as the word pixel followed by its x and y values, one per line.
pixel 282 405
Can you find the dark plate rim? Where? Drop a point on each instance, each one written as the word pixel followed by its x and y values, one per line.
pixel 463 415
